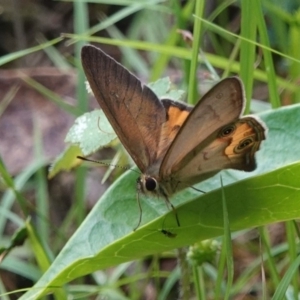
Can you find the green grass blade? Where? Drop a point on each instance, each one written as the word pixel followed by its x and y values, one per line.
pixel 227 244
pixel 192 90
pixel 268 60
pixel 14 56
pixel 284 283
pixel 292 251
pixel 247 53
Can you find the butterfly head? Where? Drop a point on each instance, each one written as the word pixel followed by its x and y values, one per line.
pixel 147 184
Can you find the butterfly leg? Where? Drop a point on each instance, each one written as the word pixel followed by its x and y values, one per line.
pixel 169 204
pixel 140 210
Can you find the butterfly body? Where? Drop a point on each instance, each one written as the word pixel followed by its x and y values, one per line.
pixel 174 145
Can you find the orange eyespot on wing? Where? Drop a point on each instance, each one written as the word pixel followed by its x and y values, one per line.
pixel 245 140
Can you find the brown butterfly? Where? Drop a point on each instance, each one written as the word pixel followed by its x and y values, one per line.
pixel 173 144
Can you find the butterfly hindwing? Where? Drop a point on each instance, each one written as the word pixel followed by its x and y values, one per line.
pixel 221 105
pixel 232 149
pixel 176 114
pixel 213 137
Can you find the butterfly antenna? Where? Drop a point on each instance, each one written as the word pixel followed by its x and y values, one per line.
pixel 197 190
pixel 106 164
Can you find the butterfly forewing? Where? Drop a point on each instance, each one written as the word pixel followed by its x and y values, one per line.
pixel 133 110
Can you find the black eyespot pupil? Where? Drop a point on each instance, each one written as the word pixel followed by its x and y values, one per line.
pixel 228 130
pixel 150 184
pixel 245 143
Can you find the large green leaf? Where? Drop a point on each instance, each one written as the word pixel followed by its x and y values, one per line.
pixel 269 194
